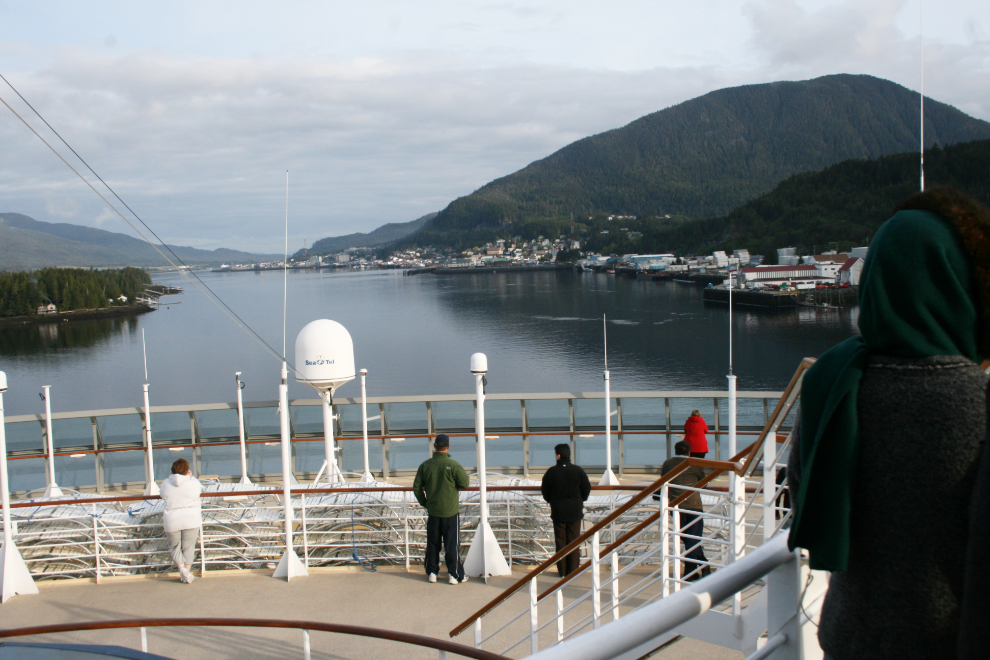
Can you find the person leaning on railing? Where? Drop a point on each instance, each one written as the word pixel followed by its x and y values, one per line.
pixel 889 437
pixel 183 516
pixel 691 522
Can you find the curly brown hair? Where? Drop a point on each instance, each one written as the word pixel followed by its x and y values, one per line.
pixel 971 222
pixel 181 466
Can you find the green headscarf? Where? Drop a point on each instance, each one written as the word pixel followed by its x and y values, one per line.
pixel 916 300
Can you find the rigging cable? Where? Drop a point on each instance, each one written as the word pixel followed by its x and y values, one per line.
pixel 219 302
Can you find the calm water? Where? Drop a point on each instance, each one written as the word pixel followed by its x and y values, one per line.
pixel 542 332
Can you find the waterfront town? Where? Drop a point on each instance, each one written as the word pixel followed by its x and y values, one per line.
pixel 792 271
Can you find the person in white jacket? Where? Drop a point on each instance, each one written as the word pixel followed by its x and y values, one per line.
pixel 182 517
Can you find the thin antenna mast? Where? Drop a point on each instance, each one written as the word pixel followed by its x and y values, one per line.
pixel 922 21
pixel 605 340
pixel 144 350
pixel 285 270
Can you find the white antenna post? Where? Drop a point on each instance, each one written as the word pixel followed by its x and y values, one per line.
pixel 152 487
pixel 608 477
pixel 53 490
pixel 364 424
pixel 245 479
pixel 484 557
pixel 289 566
pixel 15 578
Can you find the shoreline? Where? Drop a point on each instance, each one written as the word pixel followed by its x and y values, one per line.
pixel 75 315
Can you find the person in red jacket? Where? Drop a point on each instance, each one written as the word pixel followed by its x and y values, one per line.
pixel 694 433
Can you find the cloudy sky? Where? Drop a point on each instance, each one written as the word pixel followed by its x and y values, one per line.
pixel 385 110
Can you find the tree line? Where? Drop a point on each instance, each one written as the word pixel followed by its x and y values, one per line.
pixel 68 289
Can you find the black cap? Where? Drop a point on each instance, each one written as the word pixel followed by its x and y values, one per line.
pixel 442 441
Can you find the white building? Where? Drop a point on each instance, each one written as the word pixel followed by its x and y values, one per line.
pixel 850 272
pixel 800 276
pixel 788 256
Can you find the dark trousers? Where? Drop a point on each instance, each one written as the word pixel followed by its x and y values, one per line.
pixel 699 454
pixel 565 533
pixel 694 525
pixel 445 532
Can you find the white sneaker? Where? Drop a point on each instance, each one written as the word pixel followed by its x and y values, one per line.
pixel 189 577
pixel 453 580
pixel 432 577
pixel 464 579
pixel 184 574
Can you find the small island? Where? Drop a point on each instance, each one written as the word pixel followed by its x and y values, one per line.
pixel 64 294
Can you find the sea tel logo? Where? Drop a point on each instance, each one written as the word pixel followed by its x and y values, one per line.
pixel 318 362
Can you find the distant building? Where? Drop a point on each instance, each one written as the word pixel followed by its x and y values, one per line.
pixel 788 256
pixel 800 276
pixel 828 264
pixel 47 309
pixel 850 272
pixel 122 298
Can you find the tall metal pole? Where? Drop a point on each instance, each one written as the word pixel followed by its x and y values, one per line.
pixel 245 479
pixel 289 566
pixel 14 575
pixel 608 477
pixel 333 474
pixel 484 557
pixel 364 424
pixel 152 487
pixel 53 490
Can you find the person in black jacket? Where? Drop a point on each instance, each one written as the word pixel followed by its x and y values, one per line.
pixel 566 487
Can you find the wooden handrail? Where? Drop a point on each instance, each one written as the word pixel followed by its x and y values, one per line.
pixel 345 629
pixel 633 501
pixel 747 456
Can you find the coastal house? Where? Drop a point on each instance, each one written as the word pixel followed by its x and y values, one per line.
pixel 828 264
pixel 850 272
pixel 50 308
pixel 122 298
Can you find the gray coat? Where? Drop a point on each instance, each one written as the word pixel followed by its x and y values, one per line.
pixel 921 425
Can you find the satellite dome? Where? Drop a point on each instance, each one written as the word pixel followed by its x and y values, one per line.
pixel 324 355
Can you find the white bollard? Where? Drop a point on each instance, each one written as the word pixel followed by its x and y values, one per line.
pixel 14 575
pixel 53 490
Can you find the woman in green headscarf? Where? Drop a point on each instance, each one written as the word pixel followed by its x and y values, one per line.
pixel 890 433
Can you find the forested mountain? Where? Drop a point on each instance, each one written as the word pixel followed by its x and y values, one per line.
pixel 384 234
pixel 706 156
pixel 29 243
pixel 839 207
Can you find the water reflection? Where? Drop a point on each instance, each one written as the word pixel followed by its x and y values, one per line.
pixel 19 341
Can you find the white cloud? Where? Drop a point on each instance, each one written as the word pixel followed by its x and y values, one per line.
pixel 198 142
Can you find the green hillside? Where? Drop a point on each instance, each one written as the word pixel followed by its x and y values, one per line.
pixel 841 206
pixel 27 243
pixel 706 156
pixel 68 288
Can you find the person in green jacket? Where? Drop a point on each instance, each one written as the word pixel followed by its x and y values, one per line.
pixel 437 482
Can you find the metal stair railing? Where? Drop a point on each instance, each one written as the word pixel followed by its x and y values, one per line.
pixel 665 541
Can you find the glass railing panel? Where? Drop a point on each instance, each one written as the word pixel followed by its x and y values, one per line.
pixel 502 415
pixel 310 454
pixel 217 424
pixel 454 416
pixel 647 450
pixel 503 451
pixel 224 461
pixel 265 458
pixel 24 436
pixel 408 453
pixel 121 430
pixel 261 423
pixel 591 450
pixel 352 451
pixel 643 414
pixel 72 433
pixel 406 417
pixel 172 427
pixel 166 456
pixel 350 419
pixel 541 452
pixel 680 410
pixel 465 451
pixel 75 471
pixel 27 474
pixel 548 414
pixel 590 414
pixel 123 466
pixel 307 421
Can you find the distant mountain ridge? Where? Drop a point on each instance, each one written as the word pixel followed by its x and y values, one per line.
pixel 706 156
pixel 26 243
pixel 387 233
